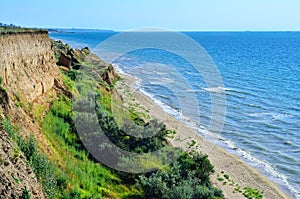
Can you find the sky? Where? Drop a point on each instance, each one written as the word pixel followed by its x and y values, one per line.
pixel 189 15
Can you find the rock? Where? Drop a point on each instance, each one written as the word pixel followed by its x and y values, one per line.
pixel 74 56
pixel 109 75
pixel 64 68
pixel 6 163
pixel 64 60
pixel 3 96
pixel 85 50
pixel 77 67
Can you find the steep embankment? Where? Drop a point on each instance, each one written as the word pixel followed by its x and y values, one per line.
pixel 28 72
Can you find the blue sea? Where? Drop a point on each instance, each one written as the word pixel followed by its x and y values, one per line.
pixel 261 76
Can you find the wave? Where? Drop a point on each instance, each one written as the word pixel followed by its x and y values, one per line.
pixel 195 90
pixel 118 69
pixel 275 116
pixel 171 111
pixel 164 96
pixel 167 80
pixel 262 165
pixel 218 89
pixel 254 105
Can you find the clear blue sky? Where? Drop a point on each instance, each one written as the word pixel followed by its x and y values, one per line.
pixel 171 14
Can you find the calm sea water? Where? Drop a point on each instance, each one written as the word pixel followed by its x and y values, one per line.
pixel 261 75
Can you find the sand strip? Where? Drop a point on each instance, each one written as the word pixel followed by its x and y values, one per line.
pixel 240 174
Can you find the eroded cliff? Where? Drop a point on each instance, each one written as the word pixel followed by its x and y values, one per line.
pixel 27 64
pixel 28 74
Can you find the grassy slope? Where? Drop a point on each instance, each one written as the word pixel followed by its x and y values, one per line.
pixel 84 177
pixel 80 175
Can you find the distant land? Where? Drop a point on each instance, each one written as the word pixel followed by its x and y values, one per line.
pixel 74 30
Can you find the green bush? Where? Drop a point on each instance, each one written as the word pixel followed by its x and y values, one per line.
pixel 72 74
pixel 28 146
pixel 199 164
pixel 25 194
pixel 252 193
pixel 123 137
pixel 183 179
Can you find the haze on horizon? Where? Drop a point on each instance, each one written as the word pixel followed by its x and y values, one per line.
pixel 191 15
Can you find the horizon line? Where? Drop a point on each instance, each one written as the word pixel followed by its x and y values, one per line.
pixel 114 30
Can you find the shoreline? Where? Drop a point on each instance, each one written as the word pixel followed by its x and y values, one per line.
pixel 238 174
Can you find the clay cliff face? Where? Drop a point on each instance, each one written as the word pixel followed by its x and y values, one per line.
pixel 29 73
pixel 27 64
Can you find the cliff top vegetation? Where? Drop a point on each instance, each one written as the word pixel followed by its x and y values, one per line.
pixel 13 29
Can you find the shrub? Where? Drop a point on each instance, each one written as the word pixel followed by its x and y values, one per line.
pixel 28 146
pixel 25 194
pixel 252 193
pixel 72 74
pixel 199 164
pixel 226 176
pixel 183 179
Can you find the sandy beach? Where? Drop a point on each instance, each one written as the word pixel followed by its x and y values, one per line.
pixel 231 175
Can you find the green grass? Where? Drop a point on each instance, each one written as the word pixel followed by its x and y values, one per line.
pixel 83 177
pixel 68 82
pixel 15 178
pixel 69 172
pixel 15 30
pixel 251 193
pixel 43 169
